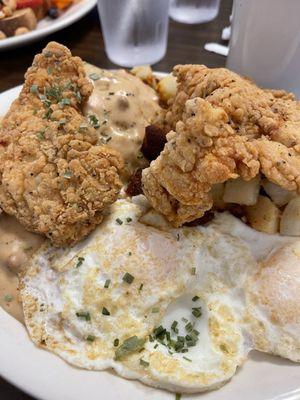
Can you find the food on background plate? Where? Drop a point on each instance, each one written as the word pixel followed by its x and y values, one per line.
pixel 54 177
pixel 222 128
pixel 21 16
pixel 178 308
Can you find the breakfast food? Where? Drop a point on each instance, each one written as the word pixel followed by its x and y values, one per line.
pixel 53 177
pixel 120 106
pixel 223 128
pixel 18 17
pixel 163 305
pixel 176 307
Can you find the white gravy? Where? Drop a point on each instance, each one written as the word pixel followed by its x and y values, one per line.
pixel 124 106
pixel 16 247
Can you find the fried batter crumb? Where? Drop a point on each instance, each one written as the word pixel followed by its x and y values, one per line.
pixel 53 177
pixel 221 126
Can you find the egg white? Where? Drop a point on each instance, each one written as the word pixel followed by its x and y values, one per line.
pixel 170 267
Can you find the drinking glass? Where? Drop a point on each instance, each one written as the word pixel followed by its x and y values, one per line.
pixel 194 11
pixel 134 31
pixel 265 42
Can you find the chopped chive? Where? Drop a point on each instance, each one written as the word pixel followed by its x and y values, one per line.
pixel 141 287
pixel 105 311
pixel 156 346
pixel 177 396
pixel 140 156
pixel 90 338
pixel 34 89
pixel 62 121
pixel 116 342
pixel 184 350
pixel 128 219
pixel 174 326
pixel 94 76
pixel 64 102
pixel 67 174
pixel 111 93
pixel 195 298
pixel 155 310
pixel 187 359
pixel 83 315
pixel 128 278
pixel 8 298
pixel 129 253
pixel 177 237
pixel 188 327
pixel 184 319
pixel 129 346
pixel 49 70
pixel 94 121
pixel 107 283
pixel 144 363
pixel 119 221
pixel 80 261
pixel 193 271
pixel 41 135
pixel 195 332
pixel 197 312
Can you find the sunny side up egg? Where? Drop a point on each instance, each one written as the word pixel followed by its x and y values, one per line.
pixel 166 306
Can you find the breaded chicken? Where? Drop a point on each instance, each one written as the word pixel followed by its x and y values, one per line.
pixel 222 126
pixel 53 177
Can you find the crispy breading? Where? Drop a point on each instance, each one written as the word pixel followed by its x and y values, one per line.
pixel 54 179
pixel 222 126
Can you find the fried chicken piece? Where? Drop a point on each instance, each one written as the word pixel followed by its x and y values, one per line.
pixel 222 126
pixel 53 177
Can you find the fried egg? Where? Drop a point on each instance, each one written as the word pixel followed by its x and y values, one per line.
pixel 173 308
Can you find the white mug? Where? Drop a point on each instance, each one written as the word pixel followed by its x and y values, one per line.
pixel 265 43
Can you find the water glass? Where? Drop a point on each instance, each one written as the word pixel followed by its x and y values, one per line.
pixel 134 31
pixel 194 11
pixel 265 42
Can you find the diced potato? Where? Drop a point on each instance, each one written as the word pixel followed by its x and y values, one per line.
pixel 290 219
pixel 167 87
pixel 144 72
pixel 278 195
pixel 217 192
pixel 264 215
pixel 243 192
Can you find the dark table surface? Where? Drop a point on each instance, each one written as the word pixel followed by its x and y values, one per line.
pixel 185 45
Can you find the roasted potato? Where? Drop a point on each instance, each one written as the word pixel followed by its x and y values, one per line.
pixel 290 219
pixel 145 73
pixel 167 88
pixel 264 215
pixel 243 192
pixel 278 195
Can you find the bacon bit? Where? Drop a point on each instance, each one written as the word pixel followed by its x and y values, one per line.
pixel 154 142
pixel 134 187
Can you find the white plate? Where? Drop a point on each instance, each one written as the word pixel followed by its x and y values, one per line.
pixel 48 25
pixel 47 377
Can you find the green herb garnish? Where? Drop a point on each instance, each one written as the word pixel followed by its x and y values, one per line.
pixel 177 396
pixel 107 283
pixel 34 89
pixel 94 76
pixel 141 287
pixel 174 326
pixel 193 271
pixel 68 174
pixel 84 315
pixel 144 363
pixel 105 311
pixel 90 338
pixel 94 121
pixel 8 298
pixel 41 135
pixel 80 261
pixel 197 312
pixel 64 102
pixel 128 219
pixel 116 342
pixel 129 346
pixel 155 310
pixel 119 221
pixel 195 298
pixel 128 278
